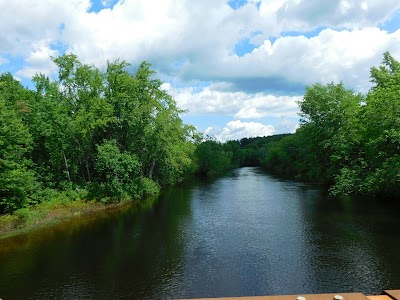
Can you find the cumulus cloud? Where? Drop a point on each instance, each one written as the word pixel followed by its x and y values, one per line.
pixel 192 42
pixel 307 15
pixel 38 61
pixel 206 100
pixel 3 60
pixel 290 63
pixel 260 105
pixel 178 40
pixel 27 23
pixel 241 105
pixel 236 130
pixel 196 40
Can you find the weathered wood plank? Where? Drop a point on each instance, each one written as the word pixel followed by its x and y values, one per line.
pixel 395 294
pixel 380 297
pixel 346 296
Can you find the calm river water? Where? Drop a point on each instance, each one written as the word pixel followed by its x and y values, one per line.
pixel 244 234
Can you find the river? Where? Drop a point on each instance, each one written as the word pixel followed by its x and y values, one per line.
pixel 245 234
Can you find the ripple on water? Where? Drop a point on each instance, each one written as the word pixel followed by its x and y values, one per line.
pixel 240 235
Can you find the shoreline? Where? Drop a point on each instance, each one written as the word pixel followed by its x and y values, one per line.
pixel 45 216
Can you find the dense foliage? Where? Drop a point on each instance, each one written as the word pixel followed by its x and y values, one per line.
pixel 347 140
pixel 111 135
pixel 214 158
pixel 106 134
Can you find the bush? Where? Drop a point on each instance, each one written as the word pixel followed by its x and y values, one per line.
pixel 115 171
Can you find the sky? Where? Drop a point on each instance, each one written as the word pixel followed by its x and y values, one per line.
pixel 237 66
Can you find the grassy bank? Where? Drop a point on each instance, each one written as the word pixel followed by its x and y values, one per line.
pixel 51 213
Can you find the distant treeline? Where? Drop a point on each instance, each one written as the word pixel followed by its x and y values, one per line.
pixel 112 134
pixel 215 158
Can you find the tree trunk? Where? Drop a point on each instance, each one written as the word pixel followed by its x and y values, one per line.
pixel 88 170
pixel 66 166
pixel 153 164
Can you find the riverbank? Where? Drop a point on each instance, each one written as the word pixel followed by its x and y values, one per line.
pixel 52 213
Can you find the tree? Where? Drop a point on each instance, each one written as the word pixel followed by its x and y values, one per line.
pixel 329 124
pixel 148 123
pixel 86 108
pixel 111 130
pixel 381 135
pixel 211 159
pixel 117 171
pixel 375 167
pixel 350 141
pixel 16 178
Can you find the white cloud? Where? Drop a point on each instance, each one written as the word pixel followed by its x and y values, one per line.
pixel 38 62
pixel 194 41
pixel 286 125
pixel 107 3
pixel 261 105
pixel 236 130
pixel 203 34
pixel 270 7
pixel 344 6
pixel 25 23
pixel 351 14
pixel 241 105
pixel 207 100
pixel 3 60
pixel 298 61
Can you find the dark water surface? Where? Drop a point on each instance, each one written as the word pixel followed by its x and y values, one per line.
pixel 241 235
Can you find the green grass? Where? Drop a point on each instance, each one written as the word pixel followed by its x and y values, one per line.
pixel 47 213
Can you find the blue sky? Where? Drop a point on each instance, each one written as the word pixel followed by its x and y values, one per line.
pixel 238 66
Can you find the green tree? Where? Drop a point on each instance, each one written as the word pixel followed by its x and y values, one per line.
pixel 330 127
pixel 348 140
pixel 49 122
pixel 17 180
pixel 148 123
pixel 117 172
pixel 211 159
pixel 381 135
pixel 113 129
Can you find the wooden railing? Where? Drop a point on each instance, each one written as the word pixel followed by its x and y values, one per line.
pixel 387 295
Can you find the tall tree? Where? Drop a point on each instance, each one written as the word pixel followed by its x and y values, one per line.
pixel 381 116
pixel 329 125
pixel 16 177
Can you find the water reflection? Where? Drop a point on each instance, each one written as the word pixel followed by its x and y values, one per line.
pixel 346 254
pixel 244 234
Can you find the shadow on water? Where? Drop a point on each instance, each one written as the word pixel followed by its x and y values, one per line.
pixel 243 234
